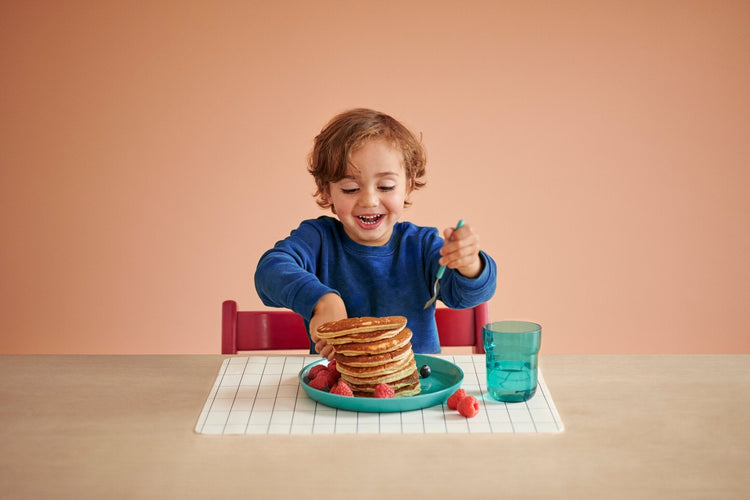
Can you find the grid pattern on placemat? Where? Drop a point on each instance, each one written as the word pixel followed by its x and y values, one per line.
pixel 262 395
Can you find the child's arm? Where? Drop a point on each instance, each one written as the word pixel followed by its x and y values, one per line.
pixel 461 251
pixel 286 274
pixel 330 307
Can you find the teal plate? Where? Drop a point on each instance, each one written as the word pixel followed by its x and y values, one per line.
pixel 444 380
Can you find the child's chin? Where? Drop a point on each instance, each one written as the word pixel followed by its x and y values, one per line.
pixel 372 237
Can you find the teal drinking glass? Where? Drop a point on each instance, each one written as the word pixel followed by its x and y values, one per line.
pixel 512 352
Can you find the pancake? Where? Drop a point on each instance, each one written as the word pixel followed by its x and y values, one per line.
pixel 374 359
pixel 377 370
pixel 382 379
pixel 366 337
pixel 376 347
pixel 412 390
pixel 408 380
pixel 348 326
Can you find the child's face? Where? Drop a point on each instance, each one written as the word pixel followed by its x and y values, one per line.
pixel 369 200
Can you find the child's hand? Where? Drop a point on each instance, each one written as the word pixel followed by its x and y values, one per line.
pixel 330 307
pixel 461 251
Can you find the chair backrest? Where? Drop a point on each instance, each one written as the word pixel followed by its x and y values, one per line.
pixel 253 330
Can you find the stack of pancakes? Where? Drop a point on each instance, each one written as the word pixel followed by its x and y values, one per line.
pixel 372 351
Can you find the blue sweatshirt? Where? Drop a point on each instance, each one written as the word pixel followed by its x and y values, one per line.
pixel 395 279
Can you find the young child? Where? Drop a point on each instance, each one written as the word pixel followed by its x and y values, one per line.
pixel 365 262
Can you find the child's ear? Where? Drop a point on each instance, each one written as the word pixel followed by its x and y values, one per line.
pixel 327 198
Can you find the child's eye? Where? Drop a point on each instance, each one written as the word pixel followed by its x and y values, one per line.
pixel 349 191
pixel 387 188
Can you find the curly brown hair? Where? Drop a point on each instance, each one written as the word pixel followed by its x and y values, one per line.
pixel 349 131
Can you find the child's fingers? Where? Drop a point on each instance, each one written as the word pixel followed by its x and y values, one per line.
pixel 459 243
pixel 455 234
pixel 463 234
pixel 459 257
pixel 325 349
pixel 465 260
pixel 461 251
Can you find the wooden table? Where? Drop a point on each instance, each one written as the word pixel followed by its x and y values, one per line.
pixel 122 427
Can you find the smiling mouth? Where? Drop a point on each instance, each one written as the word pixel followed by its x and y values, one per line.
pixel 369 219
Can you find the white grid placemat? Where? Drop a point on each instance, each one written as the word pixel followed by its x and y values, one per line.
pixel 262 395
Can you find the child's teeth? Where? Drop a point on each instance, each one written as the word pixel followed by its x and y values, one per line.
pixel 372 219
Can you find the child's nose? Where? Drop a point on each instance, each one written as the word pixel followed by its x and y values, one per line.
pixel 369 198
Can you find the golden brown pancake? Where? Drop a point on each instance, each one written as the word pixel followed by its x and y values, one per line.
pixel 409 380
pixel 349 326
pixel 374 359
pixel 375 347
pixel 366 337
pixel 374 371
pixel 382 379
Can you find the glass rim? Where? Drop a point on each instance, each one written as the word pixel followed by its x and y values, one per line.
pixel 512 326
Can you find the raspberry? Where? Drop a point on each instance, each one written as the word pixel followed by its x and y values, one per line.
pixel 342 389
pixel 456 398
pixel 384 391
pixel 333 372
pixel 332 365
pixel 468 406
pixel 315 370
pixel 321 381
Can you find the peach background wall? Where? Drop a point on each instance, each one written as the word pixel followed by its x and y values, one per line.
pixel 151 151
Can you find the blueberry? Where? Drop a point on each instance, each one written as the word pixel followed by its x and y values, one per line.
pixel 425 371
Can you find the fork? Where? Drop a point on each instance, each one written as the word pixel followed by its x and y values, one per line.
pixel 441 270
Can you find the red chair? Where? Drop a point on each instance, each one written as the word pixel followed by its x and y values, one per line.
pixel 253 330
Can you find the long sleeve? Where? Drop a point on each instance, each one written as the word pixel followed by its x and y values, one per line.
pixel 286 274
pixel 459 292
